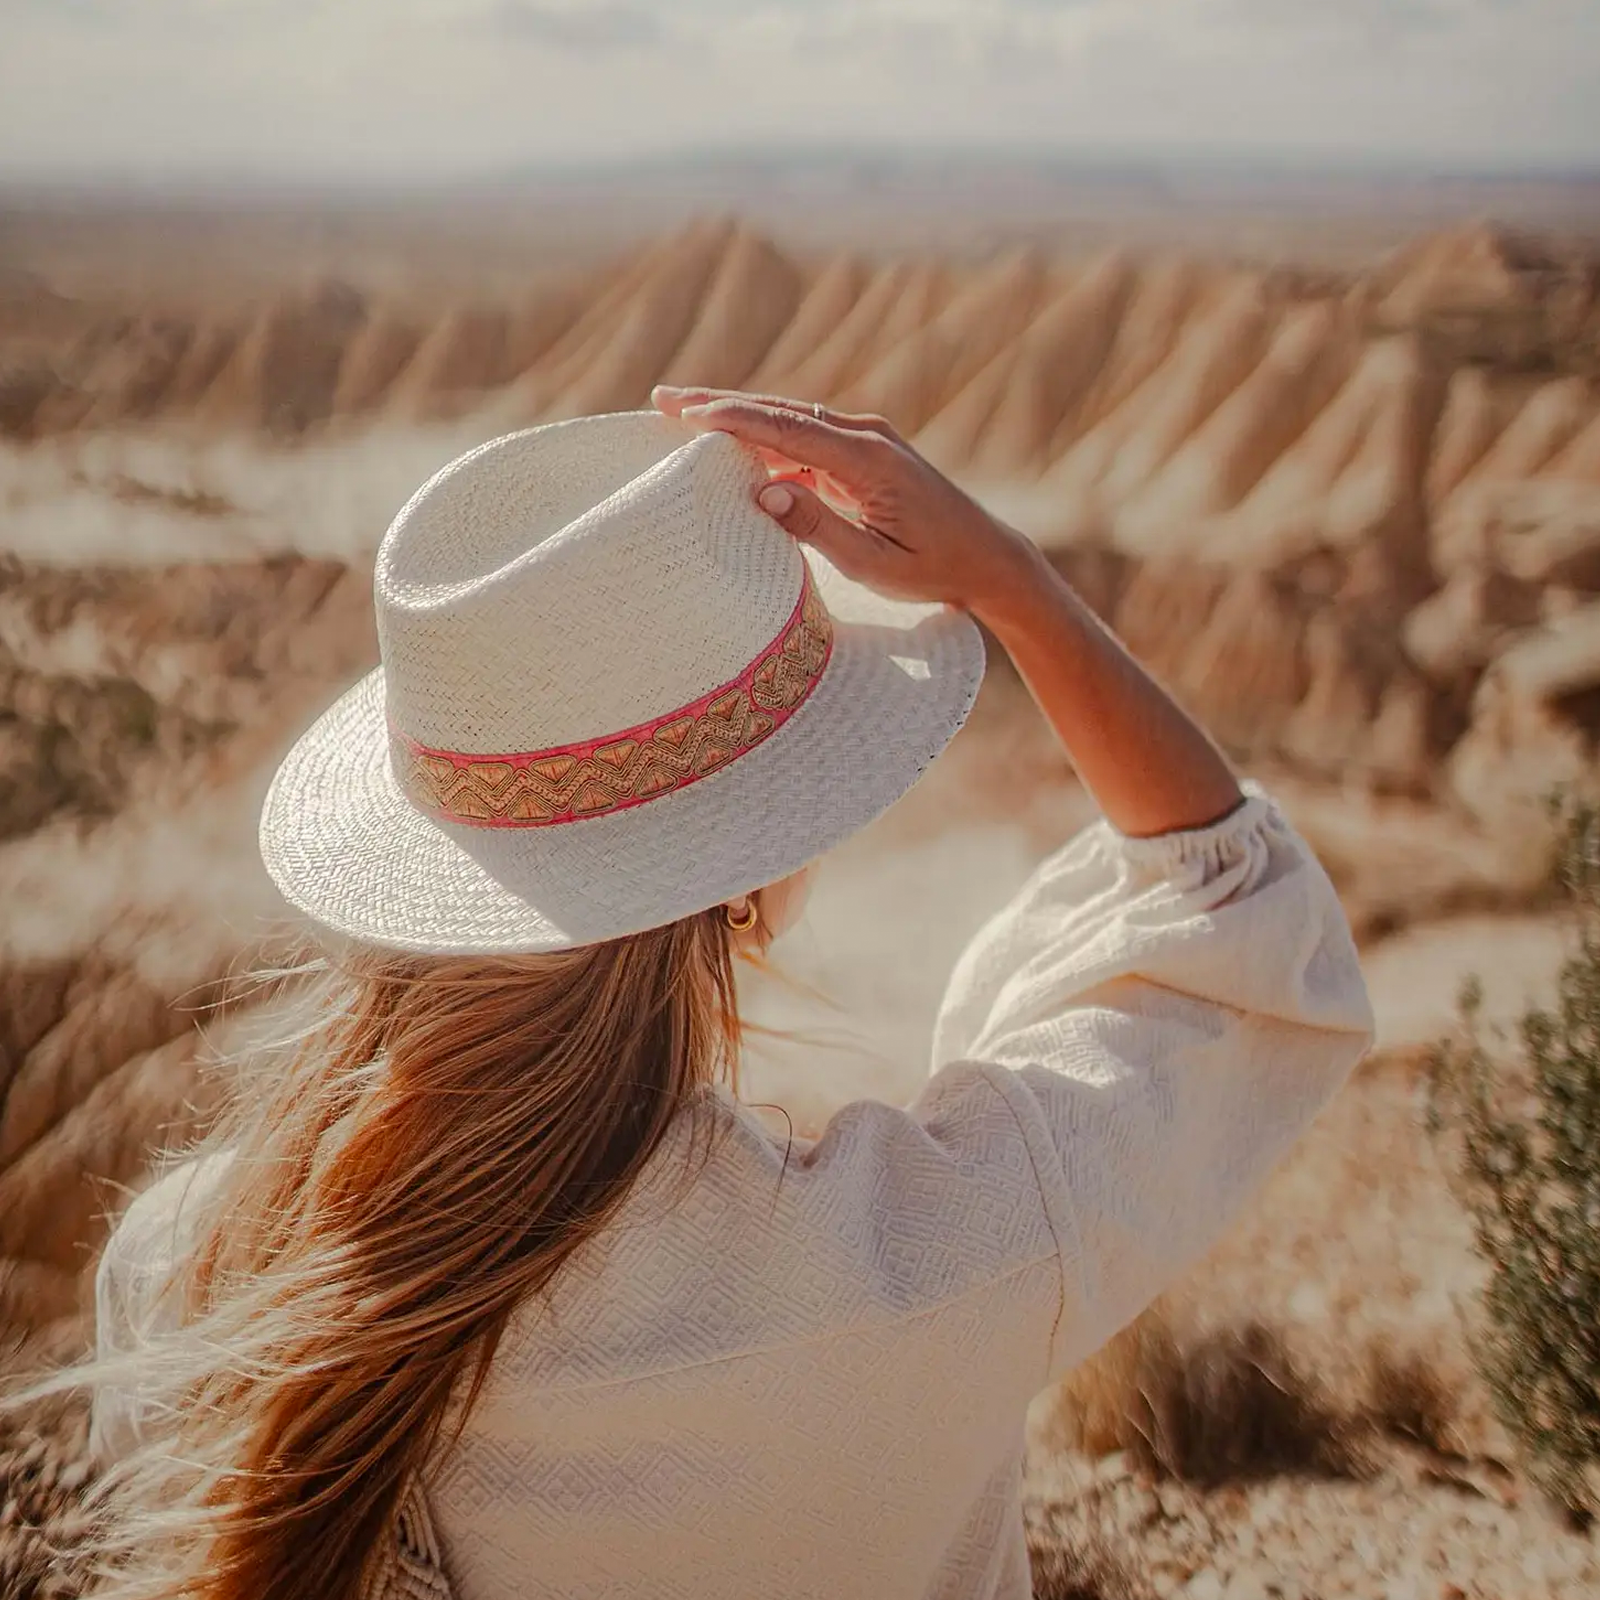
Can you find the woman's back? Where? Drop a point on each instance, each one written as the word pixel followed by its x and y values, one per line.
pixel 805 1370
pixel 762 1385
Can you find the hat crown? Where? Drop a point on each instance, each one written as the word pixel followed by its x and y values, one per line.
pixel 577 580
pixel 612 696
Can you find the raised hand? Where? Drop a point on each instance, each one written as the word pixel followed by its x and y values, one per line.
pixel 895 522
pixel 906 530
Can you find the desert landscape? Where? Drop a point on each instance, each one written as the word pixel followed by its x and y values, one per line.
pixel 1345 500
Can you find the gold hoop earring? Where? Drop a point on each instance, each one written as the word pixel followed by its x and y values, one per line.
pixel 745 923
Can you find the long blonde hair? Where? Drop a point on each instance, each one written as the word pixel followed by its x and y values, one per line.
pixel 433 1145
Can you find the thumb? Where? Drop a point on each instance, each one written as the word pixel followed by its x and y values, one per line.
pixel 803 515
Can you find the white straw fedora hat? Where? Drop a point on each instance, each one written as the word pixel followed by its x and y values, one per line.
pixel 613 693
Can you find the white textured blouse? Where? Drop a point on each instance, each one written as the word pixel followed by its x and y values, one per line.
pixel 805 1371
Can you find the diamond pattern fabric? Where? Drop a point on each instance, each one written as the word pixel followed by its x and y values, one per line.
pixel 804 1370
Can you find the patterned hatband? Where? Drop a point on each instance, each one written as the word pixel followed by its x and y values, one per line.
pixel 573 782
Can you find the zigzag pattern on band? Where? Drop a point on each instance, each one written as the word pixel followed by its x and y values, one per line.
pixel 627 769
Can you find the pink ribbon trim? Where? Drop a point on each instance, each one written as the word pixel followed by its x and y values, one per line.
pixel 570 783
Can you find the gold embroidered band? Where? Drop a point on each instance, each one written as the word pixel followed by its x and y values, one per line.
pixel 573 782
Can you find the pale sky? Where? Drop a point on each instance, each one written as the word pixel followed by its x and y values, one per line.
pixel 420 89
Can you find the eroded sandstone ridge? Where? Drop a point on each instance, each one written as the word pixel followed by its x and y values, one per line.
pixel 1355 520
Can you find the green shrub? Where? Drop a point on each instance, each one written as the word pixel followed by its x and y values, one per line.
pixel 1525 1123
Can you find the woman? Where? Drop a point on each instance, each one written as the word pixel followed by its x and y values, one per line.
pixel 497 1243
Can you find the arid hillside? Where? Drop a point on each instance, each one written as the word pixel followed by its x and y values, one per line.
pixel 1393 477
pixel 1354 518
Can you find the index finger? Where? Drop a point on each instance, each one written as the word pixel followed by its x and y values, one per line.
pixel 797 436
pixel 675 401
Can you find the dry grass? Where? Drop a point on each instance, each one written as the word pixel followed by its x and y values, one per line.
pixel 1073 1566
pixel 1226 1407
pixel 1409 1402
pixel 44 1470
pixel 1300 1348
pixel 1234 1408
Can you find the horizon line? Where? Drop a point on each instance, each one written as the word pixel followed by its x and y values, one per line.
pixel 839 155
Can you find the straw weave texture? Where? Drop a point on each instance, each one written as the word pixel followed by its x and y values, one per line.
pixel 560 584
pixel 563 584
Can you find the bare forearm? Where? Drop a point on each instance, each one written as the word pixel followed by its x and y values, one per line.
pixel 915 535
pixel 1149 765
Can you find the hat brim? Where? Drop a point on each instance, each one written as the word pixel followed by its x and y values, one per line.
pixel 345 846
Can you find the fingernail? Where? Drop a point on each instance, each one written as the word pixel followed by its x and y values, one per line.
pixel 776 500
pixel 665 388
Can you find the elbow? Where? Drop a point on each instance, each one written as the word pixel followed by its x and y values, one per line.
pixel 1335 987
pixel 1326 988
pixel 1363 1020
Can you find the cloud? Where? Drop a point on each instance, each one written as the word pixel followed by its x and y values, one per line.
pixel 151 18
pixel 1370 21
pixel 588 25
pixel 412 89
pixel 81 10
pixel 896 37
pixel 93 11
